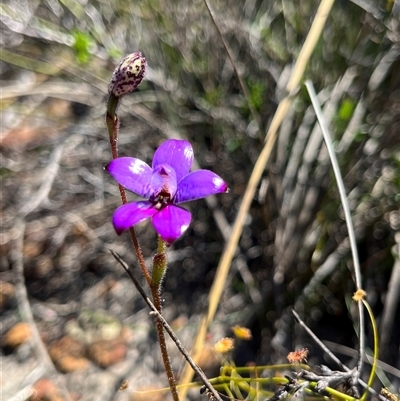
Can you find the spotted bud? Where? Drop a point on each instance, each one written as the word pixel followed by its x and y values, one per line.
pixel 127 75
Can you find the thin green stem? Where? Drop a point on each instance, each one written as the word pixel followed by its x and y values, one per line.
pixel 376 348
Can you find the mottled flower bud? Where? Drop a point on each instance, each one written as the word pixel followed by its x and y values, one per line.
pixel 127 75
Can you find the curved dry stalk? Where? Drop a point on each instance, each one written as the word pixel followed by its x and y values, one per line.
pixel 351 352
pixel 25 308
pixel 230 249
pixel 29 63
pixel 48 178
pixel 30 205
pixel 168 328
pixel 332 356
pixel 298 202
pixel 392 301
pixel 246 93
pixel 347 214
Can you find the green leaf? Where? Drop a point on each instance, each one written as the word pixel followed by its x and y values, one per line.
pixel 346 109
pixel 82 44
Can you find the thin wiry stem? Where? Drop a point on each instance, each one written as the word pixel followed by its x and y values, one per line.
pixel 319 342
pixel 347 213
pixel 231 246
pixel 376 348
pixel 391 301
pixel 159 270
pixel 168 328
pixel 246 93
pixel 331 355
pixel 112 123
pixel 25 308
pixel 48 177
pixel 163 345
pixel 32 204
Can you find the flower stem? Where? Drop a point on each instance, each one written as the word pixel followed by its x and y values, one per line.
pixel 159 269
pixel 112 122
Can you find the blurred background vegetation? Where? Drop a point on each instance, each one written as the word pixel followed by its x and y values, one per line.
pixel 57 57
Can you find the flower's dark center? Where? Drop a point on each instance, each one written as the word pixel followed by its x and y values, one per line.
pixel 163 183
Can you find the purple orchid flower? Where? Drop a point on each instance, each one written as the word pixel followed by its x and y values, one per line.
pixel 165 185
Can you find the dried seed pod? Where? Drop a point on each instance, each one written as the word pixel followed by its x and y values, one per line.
pixel 127 75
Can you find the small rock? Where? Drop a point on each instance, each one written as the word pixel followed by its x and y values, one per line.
pixel 7 291
pixel 32 249
pixel 107 352
pixel 17 335
pixel 68 363
pixel 68 355
pixel 45 390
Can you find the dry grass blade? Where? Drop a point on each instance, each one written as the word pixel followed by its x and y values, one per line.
pixel 392 301
pixel 168 329
pixel 331 355
pixel 347 213
pixel 26 312
pixel 230 249
pixel 246 93
pixel 28 63
pixel 293 248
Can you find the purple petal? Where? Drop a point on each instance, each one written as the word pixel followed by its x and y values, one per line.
pixel 133 174
pixel 163 183
pixel 171 222
pixel 130 214
pixel 199 184
pixel 177 153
